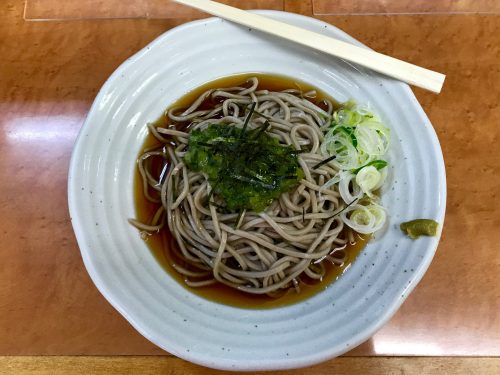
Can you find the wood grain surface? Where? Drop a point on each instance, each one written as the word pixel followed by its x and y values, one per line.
pixel 50 73
pixel 110 9
pixel 145 365
pixel 322 7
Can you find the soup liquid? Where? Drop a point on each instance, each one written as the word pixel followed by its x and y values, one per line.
pixel 163 243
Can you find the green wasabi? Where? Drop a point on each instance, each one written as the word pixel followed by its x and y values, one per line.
pixel 419 227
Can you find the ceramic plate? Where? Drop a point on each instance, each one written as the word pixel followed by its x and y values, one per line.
pixel 101 199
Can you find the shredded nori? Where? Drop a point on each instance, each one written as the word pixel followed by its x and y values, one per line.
pixel 247 168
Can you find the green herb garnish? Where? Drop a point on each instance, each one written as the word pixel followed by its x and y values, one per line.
pixel 350 132
pixel 248 169
pixel 379 164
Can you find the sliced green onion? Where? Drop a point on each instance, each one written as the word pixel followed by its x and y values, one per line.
pixel 355 144
pixel 365 219
pixel 367 179
pixel 350 132
pixel 379 164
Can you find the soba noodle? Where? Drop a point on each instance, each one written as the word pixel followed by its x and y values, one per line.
pixel 255 252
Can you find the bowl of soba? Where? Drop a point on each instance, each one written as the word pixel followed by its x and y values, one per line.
pixel 250 204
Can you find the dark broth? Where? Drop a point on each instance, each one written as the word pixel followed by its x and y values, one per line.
pixel 162 243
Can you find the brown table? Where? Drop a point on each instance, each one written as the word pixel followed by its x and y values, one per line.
pixel 50 72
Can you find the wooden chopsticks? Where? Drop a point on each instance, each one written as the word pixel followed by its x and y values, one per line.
pixel 390 66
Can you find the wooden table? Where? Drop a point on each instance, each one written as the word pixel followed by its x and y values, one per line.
pixel 50 72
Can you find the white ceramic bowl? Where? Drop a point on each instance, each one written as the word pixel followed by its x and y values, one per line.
pixel 124 270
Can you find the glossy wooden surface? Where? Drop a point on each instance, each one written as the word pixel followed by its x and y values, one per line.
pixel 109 9
pixel 173 366
pixel 50 73
pixel 322 7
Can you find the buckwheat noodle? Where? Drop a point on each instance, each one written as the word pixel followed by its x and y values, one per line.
pixel 262 253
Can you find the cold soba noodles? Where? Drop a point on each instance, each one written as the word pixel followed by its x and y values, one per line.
pixel 257 187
